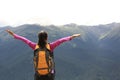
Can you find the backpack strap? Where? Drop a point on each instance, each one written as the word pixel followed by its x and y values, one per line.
pixel 47 46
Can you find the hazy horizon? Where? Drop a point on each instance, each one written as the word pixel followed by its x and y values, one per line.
pixel 55 25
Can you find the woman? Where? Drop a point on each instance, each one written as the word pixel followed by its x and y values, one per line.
pixel 42 41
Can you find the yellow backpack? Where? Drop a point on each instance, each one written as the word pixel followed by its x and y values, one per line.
pixel 43 60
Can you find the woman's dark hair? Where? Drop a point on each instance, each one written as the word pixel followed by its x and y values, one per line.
pixel 42 39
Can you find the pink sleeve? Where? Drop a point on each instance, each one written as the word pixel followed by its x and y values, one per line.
pixel 56 43
pixel 28 42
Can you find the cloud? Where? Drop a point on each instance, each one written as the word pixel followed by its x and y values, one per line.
pixel 85 12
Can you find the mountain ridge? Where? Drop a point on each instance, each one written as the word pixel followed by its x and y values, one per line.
pixel 79 57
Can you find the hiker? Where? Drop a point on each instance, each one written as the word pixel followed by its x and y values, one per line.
pixel 40 48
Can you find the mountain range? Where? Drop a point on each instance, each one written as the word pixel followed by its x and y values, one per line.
pixel 92 56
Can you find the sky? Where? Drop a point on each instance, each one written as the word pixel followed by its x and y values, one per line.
pixel 59 12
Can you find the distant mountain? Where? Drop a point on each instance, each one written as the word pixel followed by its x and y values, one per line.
pixel 93 56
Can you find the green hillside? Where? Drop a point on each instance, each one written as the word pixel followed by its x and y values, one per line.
pixel 89 57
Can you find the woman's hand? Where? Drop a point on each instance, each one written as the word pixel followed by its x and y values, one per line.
pixel 10 32
pixel 75 35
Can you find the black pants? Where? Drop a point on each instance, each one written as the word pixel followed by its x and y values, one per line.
pixel 45 77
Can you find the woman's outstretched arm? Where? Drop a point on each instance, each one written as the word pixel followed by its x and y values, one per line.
pixel 56 43
pixel 27 41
